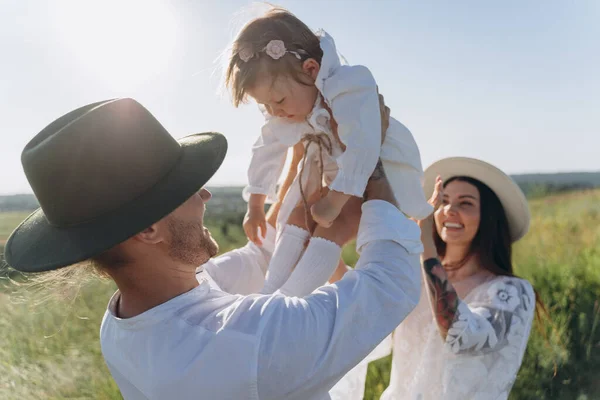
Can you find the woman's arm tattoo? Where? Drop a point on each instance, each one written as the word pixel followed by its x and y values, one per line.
pixel 444 300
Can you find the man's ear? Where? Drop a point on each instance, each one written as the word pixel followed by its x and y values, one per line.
pixel 153 234
pixel 311 67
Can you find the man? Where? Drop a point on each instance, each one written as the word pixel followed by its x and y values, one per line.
pixel 116 188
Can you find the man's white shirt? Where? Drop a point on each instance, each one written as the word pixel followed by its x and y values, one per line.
pixel 213 344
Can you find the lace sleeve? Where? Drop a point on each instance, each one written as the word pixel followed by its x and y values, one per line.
pixel 502 311
pixel 502 316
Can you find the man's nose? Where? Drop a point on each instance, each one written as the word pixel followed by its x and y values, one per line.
pixel 205 195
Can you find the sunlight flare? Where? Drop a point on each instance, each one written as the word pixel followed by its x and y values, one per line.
pixel 123 43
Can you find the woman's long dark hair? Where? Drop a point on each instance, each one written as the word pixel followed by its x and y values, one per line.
pixel 491 244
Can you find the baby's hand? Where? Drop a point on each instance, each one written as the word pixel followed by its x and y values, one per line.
pixel 326 210
pixel 255 218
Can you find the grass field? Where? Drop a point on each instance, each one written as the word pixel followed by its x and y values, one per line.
pixel 8 222
pixel 51 351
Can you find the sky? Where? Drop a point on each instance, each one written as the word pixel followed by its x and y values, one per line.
pixel 514 83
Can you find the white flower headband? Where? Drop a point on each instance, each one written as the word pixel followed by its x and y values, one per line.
pixel 274 49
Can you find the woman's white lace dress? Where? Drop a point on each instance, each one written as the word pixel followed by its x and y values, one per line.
pixel 480 357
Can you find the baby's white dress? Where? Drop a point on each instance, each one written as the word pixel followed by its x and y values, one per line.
pixel 351 94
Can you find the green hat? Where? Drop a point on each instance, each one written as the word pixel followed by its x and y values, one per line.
pixel 103 173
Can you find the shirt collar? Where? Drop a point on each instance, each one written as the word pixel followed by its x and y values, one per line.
pixel 156 314
pixel 330 61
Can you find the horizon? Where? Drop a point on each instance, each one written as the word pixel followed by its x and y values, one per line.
pixel 241 185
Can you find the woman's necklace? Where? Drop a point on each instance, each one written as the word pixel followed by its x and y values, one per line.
pixel 453 266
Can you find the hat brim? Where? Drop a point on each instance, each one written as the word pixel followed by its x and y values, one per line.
pixel 37 246
pixel 510 195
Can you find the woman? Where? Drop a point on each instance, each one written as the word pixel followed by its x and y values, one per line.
pixel 467 336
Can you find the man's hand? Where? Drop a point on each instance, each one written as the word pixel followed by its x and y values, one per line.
pixel 378 187
pixel 385 116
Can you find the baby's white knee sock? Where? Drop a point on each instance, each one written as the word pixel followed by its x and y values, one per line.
pixel 314 268
pixel 285 256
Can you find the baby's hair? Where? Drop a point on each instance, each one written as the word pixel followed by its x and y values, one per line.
pixel 276 24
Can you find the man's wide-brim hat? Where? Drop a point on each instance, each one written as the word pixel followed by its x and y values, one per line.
pixel 510 195
pixel 103 173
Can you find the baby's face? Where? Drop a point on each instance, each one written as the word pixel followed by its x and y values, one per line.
pixel 285 97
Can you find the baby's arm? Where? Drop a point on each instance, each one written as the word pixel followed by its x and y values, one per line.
pixel 255 218
pixel 351 94
pixel 357 134
pixel 266 164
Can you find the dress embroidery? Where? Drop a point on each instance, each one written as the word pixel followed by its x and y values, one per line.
pixel 480 357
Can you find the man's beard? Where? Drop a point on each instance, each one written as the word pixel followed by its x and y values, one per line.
pixel 189 242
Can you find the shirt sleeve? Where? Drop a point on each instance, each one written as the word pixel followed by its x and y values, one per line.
pixel 352 385
pixel 308 344
pixel 267 162
pixel 243 270
pixel 351 93
pixel 501 321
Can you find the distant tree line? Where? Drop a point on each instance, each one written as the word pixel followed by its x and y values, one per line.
pixel 538 185
pixel 227 201
pixel 18 202
pixel 537 190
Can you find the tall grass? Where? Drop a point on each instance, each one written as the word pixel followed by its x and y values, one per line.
pixel 8 222
pixel 561 257
pixel 52 351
